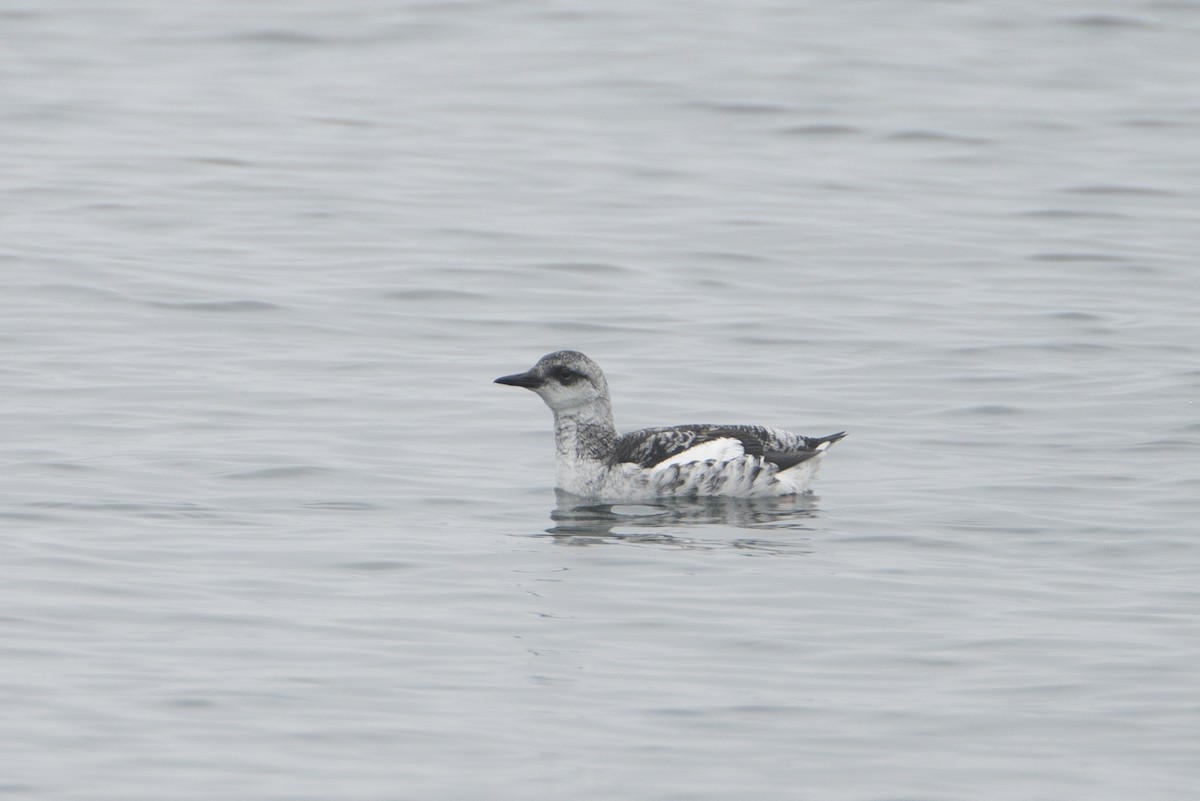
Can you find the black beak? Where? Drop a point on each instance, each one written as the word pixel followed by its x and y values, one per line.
pixel 526 379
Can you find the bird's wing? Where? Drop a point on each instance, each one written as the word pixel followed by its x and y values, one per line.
pixel 652 447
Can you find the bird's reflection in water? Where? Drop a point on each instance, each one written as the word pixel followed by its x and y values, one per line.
pixel 690 523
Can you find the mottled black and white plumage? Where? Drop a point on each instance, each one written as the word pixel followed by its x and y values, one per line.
pixel 592 460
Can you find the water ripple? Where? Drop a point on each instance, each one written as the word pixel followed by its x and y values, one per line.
pixel 221 306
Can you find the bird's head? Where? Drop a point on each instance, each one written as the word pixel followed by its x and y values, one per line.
pixel 566 380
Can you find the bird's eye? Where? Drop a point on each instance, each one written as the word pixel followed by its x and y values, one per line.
pixel 565 374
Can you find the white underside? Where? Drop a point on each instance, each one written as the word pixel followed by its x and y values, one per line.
pixel 738 477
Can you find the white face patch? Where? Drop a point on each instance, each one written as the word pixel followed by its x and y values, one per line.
pixel 570 382
pixel 561 397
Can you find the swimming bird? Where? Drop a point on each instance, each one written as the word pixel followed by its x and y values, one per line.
pixel 593 461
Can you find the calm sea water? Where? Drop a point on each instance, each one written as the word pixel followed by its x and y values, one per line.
pixel 269 531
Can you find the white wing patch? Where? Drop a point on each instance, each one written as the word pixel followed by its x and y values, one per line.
pixel 719 450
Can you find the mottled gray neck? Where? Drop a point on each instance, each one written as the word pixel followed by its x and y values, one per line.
pixel 586 433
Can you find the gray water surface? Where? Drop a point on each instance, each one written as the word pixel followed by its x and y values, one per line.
pixel 269 531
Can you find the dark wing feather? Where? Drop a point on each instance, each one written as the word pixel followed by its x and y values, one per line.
pixel 651 446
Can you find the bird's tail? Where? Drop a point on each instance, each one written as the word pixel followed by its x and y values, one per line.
pixel 823 443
